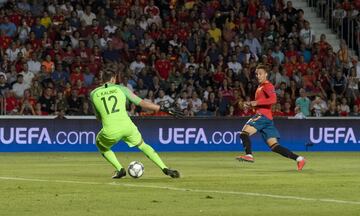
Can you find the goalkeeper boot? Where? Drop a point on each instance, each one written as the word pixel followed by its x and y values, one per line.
pixel 119 174
pixel 172 173
pixel 246 158
pixel 300 163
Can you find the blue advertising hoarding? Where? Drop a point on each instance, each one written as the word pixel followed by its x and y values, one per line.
pixel 167 134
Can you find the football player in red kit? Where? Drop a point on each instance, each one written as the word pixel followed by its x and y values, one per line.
pixel 262 121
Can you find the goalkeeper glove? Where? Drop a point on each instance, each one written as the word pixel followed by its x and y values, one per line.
pixel 173 110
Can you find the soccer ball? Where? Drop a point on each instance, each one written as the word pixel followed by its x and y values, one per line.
pixel 136 169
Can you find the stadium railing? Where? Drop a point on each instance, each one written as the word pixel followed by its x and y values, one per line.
pixel 346 29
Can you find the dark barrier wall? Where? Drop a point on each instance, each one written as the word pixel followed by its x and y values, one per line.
pixel 26 135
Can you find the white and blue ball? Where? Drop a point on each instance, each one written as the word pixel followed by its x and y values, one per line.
pixel 136 169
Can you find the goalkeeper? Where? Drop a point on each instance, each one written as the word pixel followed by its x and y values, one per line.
pixel 109 101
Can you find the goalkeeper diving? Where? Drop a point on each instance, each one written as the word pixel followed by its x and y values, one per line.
pixel 109 102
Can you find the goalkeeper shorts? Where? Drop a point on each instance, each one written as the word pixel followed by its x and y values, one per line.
pixel 105 140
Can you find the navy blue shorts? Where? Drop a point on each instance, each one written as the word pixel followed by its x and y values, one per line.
pixel 265 126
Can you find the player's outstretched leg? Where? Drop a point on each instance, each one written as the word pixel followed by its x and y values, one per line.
pixel 289 154
pixel 154 157
pixel 110 156
pixel 245 138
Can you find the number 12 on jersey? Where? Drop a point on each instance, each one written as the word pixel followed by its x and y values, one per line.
pixel 111 99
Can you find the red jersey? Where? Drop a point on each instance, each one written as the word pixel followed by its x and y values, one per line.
pixel 152 10
pixel 5 41
pixel 163 66
pixel 265 97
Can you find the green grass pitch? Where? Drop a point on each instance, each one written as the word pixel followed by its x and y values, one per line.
pixel 211 184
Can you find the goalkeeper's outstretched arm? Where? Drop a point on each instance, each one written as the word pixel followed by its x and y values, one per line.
pixel 149 106
pixel 173 110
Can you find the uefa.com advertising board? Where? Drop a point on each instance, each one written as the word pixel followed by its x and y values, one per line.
pixel 167 134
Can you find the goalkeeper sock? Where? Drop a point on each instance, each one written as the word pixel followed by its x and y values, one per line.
pixel 152 155
pixel 246 142
pixel 111 158
pixel 284 151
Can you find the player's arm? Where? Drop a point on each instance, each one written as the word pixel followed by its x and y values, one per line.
pixel 138 101
pixel 172 110
pixel 269 91
pixel 130 95
pixel 150 106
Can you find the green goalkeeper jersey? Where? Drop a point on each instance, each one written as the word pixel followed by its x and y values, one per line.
pixel 109 101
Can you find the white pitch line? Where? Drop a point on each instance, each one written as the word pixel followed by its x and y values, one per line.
pixel 326 200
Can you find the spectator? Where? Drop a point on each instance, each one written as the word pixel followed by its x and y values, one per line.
pixel 23 31
pixel 172 91
pixel 355 111
pixel 110 27
pixel 183 100
pixel 277 53
pixel 88 77
pixel 104 40
pixel 133 110
pixel 45 20
pixel 38 110
pixel 277 110
pixel 338 84
pixel 195 103
pixel 150 96
pixel 287 110
pixel 11 103
pixel 343 108
pixel 338 14
pixel 36 89
pixel 38 29
pixel 137 65
pixel 299 114
pixel 48 65
pixel 151 9
pixel 164 100
pixel 110 54
pixel 163 67
pixel 318 107
pixel 88 16
pixel 19 86
pixel 204 112
pixel 215 33
pixel 27 104
pixel 23 5
pixel 74 103
pixel 60 102
pixel 303 102
pixel 63 39
pixel 47 102
pixel 12 52
pixel 60 114
pixel 344 57
pixel 27 75
pixel 85 109
pixel 353 84
pixel 234 65
pixel 253 44
pixel 8 27
pixel 4 86
pixel 307 35
pixel 332 111
pixel 34 64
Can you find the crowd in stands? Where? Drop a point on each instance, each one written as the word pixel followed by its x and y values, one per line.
pixel 198 54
